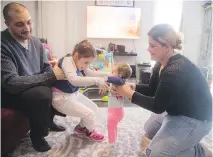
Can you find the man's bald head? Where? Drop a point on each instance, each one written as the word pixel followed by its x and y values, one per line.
pixel 13 7
pixel 18 20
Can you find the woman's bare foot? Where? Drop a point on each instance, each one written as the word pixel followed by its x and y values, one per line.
pixel 144 143
pixel 208 153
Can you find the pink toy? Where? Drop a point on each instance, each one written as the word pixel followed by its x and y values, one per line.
pixel 49 54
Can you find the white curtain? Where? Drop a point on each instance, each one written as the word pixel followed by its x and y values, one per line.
pixel 52 25
pixel 205 59
pixel 56 23
pixel 63 23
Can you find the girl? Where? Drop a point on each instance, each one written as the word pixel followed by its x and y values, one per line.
pixel 66 98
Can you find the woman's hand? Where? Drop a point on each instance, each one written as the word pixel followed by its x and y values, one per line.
pixel 113 91
pixel 124 90
pixel 133 86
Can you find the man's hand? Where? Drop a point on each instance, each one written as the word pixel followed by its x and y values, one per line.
pixel 58 73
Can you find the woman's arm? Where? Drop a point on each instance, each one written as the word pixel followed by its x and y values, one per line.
pixel 163 96
pixel 157 104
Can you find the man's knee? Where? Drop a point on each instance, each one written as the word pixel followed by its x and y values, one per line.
pixel 40 96
pixel 40 93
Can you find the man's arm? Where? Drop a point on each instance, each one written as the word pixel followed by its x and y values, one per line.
pixel 45 65
pixel 13 83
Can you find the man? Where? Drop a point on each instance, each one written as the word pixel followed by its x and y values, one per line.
pixel 26 75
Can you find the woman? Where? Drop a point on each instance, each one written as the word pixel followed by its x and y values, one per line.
pixel 179 88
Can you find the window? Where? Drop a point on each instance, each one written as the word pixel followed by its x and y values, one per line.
pixel 168 11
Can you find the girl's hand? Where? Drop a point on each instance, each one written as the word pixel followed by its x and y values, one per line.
pixel 103 89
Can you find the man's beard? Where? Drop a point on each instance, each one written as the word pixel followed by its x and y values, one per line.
pixel 22 35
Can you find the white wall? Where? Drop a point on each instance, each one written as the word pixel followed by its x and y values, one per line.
pixel 67 26
pixel 33 9
pixel 192 26
pixel 63 23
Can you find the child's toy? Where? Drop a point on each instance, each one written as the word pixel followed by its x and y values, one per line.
pixel 105 99
pixel 97 66
pixel 48 50
pixel 101 56
pixel 81 90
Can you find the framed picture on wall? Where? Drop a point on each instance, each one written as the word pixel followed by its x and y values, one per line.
pixel 115 3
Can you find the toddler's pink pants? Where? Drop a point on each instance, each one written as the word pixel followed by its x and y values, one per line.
pixel 115 115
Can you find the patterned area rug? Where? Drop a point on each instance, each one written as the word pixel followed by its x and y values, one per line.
pixel 65 144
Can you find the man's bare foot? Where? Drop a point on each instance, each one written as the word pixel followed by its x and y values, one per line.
pixel 208 153
pixel 144 143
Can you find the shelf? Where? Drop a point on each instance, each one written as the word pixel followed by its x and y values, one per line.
pixel 125 54
pixel 144 65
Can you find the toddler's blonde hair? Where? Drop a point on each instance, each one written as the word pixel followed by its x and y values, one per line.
pixel 124 70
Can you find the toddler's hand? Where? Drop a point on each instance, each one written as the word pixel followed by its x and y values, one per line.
pixel 119 97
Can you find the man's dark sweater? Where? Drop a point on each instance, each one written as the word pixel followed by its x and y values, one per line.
pixel 22 69
pixel 181 89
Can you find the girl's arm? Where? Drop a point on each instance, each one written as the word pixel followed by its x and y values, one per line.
pixel 91 73
pixel 69 68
